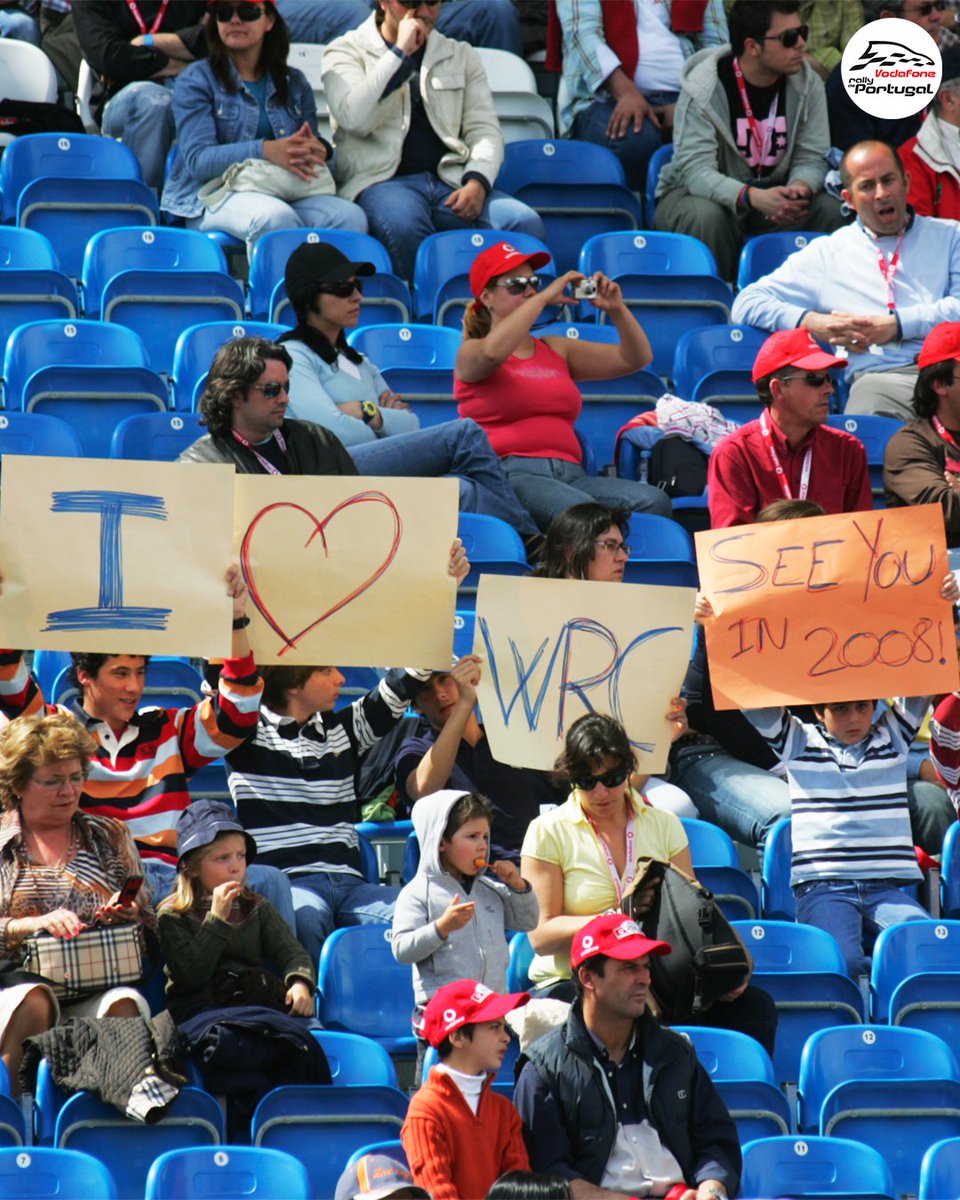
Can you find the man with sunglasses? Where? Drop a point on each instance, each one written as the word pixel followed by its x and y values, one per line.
pixel 750 138
pixel 418 144
pixel 789 452
pixel 138 49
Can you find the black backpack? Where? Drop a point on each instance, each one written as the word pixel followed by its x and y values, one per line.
pixel 708 959
pixel 677 466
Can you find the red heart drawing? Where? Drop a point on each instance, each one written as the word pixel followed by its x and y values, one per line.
pixel 290 640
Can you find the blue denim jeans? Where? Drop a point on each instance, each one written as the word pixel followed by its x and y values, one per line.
pixel 270 883
pixel 547 487
pixel 327 900
pixel 744 800
pixel 405 210
pixel 492 23
pixel 458 448
pixel 634 149
pixel 141 116
pixel 23 28
pixel 848 910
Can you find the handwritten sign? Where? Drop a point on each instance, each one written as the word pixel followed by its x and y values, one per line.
pixel 554 649
pixel 115 557
pixel 828 608
pixel 348 570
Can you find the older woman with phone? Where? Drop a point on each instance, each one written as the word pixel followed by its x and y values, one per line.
pixel 61 871
pixel 523 389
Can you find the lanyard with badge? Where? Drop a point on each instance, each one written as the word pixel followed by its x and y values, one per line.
pixel 778 466
pixel 157 20
pixel 761 140
pixel 888 269
pixel 619 886
pixel 265 463
pixel 952 464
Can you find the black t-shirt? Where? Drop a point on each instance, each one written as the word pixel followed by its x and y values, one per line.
pixel 768 105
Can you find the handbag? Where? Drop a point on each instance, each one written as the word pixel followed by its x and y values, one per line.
pixel 258 175
pixel 708 958
pixel 94 960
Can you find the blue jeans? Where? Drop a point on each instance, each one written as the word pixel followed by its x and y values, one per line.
pixel 23 28
pixel 309 21
pixel 547 487
pixel 405 210
pixel 744 800
pixel 634 149
pixel 270 883
pixel 141 116
pixel 458 448
pixel 847 910
pixel 327 900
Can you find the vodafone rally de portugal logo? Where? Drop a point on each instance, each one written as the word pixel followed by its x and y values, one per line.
pixel 891 68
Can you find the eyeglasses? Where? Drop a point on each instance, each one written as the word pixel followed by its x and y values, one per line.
pixel 272 390
pixel 814 379
pixel 516 285
pixel 76 780
pixel 789 38
pixel 924 10
pixel 246 12
pixel 613 547
pixel 609 779
pixel 344 290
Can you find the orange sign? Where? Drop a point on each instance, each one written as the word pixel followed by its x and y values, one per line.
pixel 828 608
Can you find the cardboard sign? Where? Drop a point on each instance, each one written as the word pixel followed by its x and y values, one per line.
pixel 347 570
pixel 554 649
pixel 115 557
pixel 827 609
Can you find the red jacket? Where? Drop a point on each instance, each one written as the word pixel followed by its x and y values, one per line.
pixel 932 193
pixel 620 29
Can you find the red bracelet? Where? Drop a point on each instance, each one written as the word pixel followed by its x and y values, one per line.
pixel 677 1192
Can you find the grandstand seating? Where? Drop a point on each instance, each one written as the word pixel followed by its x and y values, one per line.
pixel 171 683
pixel 47 344
pixel 226 1173
pixel 915 977
pixel 521 111
pixel 503 1080
pixel 42 1173
pixel 521 956
pixel 714 364
pixel 27 75
pixel 12 1132
pixel 493 547
pixel 355 1060
pixel 32 286
pixel 194 353
pixel 363 989
pixel 416 362
pixel 658 160
pixel 776 895
pixel 874 432
pixel 35 433
pixel 762 254
pixel 940 1170
pixel 814 1167
pixel 157 437
pixel 662 552
pixel 308 58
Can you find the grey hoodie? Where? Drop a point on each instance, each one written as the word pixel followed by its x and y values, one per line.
pixel 479 950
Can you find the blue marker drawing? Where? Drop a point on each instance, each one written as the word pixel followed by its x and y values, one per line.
pixel 110 611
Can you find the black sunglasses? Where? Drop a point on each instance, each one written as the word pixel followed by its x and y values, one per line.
pixel 814 379
pixel 245 11
pixel 516 285
pixel 789 38
pixel 344 290
pixel 610 779
pixel 272 390
pixel 926 9
pixel 410 5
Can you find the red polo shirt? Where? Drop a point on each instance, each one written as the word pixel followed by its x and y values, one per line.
pixel 741 478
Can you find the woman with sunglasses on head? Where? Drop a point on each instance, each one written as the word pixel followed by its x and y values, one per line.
pixel 245 103
pixel 580 861
pixel 523 389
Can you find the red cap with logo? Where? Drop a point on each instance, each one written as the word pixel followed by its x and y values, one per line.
pixel 792 348
pixel 615 936
pixel 941 344
pixel 500 260
pixel 465 1002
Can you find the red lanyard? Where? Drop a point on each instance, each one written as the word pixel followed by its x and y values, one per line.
pixel 157 21
pixel 888 269
pixel 778 466
pixel 951 464
pixel 265 463
pixel 619 885
pixel 762 141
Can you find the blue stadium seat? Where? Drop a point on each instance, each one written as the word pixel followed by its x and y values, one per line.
pixel 521 958
pixel 226 1173
pixel 45 155
pixel 874 432
pixel 940 1170
pixel 950 872
pixel 127 1148
pixel 211 782
pixel 12 1131
pixel 322 1126
pixel 157 437
pixel 503 1081
pixel 392 1149
pixel 355 1060
pixel 117 251
pixel 776 895
pixel 661 552
pixel 578 188
pixel 714 364
pixel 45 344
pixel 814 1167
pixel 363 989
pixel 385 295
pixel 441 273
pixel 717 866
pixel 48 1099
pixel 463 628
pixel 196 347
pixel 710 846
pixel 658 160
pixel 42 1173
pixel 915 977
pixel 417 363
pixel 368 859
pixel 493 548
pixel 670 281
pixel 762 254
pixel 34 433
pixel 32 286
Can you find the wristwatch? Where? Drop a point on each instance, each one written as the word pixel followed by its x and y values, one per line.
pixel 370 411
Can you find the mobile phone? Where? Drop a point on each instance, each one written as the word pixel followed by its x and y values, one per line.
pixel 128 893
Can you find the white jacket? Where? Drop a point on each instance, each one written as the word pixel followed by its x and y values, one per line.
pixel 368 132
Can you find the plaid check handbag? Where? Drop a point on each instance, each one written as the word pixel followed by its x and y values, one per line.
pixel 96 959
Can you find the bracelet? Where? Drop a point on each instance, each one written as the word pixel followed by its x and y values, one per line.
pixel 241 622
pixel 148 39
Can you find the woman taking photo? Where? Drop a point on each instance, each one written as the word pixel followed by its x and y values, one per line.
pixel 244 103
pixel 523 390
pixel 581 857
pixel 60 870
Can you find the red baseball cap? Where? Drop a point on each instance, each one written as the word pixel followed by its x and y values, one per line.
pixel 792 348
pixel 466 1002
pixel 616 936
pixel 941 344
pixel 498 260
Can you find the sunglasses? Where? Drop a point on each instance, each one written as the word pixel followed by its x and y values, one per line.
pixel 924 10
pixel 789 38
pixel 344 290
pixel 613 547
pixel 272 390
pixel 410 5
pixel 516 285
pixel 610 779
pixel 814 379
pixel 246 12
